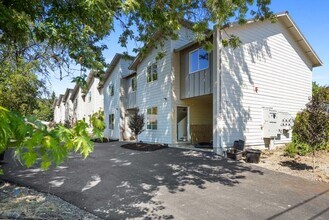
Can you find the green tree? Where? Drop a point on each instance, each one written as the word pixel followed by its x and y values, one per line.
pixel 60 33
pixel 44 110
pixel 136 124
pixel 51 35
pixel 311 126
pixel 19 87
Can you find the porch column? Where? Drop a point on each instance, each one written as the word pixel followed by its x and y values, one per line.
pixel 217 105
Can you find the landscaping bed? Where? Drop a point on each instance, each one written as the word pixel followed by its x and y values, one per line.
pixel 143 146
pixel 18 202
pixel 301 166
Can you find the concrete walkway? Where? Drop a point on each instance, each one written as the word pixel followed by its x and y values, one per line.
pixel 117 183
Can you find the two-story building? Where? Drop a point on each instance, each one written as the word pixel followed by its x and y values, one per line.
pixel 190 95
pixel 119 89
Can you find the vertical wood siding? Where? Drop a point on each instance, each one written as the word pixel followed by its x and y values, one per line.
pixel 197 83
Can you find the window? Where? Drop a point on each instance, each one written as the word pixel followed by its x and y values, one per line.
pixel 152 122
pixel 152 72
pixel 111 121
pixel 75 104
pixel 134 84
pixel 89 96
pixel 111 89
pixel 199 60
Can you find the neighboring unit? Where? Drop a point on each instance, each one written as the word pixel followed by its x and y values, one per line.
pixel 68 106
pixel 119 92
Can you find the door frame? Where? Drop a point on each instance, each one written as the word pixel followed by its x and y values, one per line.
pixel 188 124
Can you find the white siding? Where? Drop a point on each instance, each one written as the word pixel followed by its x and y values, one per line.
pixel 270 60
pixel 57 114
pixel 81 106
pixel 163 92
pixel 96 102
pixel 113 104
pixel 156 94
pixel 185 36
pixel 61 112
pixel 69 109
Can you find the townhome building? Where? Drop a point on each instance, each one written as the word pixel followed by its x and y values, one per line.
pixel 190 96
pixel 250 93
pixel 68 105
pixel 86 102
pixel 78 103
pixel 119 89
pixel 56 111
pixel 59 110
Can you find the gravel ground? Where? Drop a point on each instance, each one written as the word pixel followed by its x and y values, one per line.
pixel 23 203
pixel 301 166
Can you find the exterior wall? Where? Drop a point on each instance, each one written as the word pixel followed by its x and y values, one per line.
pixel 197 83
pixel 79 112
pixel 129 98
pixel 156 94
pixel 269 70
pixel 115 104
pixel 112 103
pixel 69 109
pixel 61 112
pixel 185 36
pixel 96 102
pixel 162 93
pixel 56 114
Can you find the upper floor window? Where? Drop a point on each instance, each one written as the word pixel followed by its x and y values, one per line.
pixel 152 72
pixel 89 96
pixel 152 118
pixel 111 121
pixel 111 89
pixel 75 104
pixel 134 84
pixel 199 60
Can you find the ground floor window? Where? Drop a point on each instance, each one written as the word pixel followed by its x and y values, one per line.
pixel 111 121
pixel 152 118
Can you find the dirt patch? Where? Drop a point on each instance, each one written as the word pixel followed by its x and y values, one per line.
pixel 301 166
pixel 143 146
pixel 23 203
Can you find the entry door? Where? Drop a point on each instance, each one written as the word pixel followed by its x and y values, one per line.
pixel 182 124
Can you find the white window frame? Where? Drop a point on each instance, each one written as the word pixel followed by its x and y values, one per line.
pixel 111 122
pixel 132 84
pixel 89 96
pixel 147 126
pixel 152 73
pixel 189 60
pixel 111 89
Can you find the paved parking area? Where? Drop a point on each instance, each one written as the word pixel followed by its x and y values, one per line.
pixel 117 183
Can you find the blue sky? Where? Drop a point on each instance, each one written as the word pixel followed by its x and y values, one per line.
pixel 311 17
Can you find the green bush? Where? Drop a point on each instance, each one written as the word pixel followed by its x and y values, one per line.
pixel 294 148
pixel 311 127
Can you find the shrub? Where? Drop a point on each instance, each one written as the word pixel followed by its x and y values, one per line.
pixel 136 124
pixel 311 128
pixel 294 148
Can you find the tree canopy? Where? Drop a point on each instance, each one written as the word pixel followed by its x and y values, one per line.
pixel 61 34
pixel 19 87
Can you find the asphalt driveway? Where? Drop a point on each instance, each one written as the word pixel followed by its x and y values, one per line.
pixel 117 183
